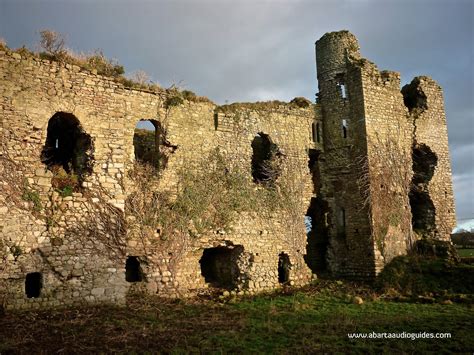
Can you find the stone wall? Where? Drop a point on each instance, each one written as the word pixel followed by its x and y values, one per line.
pixel 389 137
pixel 79 240
pixel 424 99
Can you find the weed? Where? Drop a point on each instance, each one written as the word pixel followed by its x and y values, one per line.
pixel 66 191
pixel 65 183
pixel 16 251
pixel 33 196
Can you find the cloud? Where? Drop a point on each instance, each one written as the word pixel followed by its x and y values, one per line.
pixel 256 50
pixel 464 195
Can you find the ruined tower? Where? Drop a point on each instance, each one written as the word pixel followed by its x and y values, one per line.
pixel 381 183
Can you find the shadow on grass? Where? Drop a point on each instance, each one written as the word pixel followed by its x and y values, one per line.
pixel 311 320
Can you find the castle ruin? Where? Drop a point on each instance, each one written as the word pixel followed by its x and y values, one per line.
pixel 367 166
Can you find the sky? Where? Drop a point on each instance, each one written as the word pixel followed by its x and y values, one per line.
pixel 254 50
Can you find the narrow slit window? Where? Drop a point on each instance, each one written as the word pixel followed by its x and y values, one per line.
pixel 343 90
pixel 315 130
pixel 341 222
pixel 343 219
pixel 344 128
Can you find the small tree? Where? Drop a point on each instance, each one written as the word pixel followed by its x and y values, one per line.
pixel 140 77
pixel 53 43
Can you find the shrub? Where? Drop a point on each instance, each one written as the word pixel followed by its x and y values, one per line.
pixel 300 102
pixel 3 44
pixel 415 275
pixel 463 239
pixel 103 65
pixel 173 100
pixel 140 77
pixel 189 95
pixel 64 182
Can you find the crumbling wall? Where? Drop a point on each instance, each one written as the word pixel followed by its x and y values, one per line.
pixel 378 144
pixel 264 235
pixel 53 231
pixel 432 183
pixel 79 236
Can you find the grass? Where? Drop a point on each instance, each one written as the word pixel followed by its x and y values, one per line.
pixel 466 253
pixel 311 320
pixel 297 102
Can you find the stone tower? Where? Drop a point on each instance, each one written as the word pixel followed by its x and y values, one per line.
pixel 376 207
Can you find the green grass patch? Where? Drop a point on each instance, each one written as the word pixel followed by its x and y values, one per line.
pixel 466 253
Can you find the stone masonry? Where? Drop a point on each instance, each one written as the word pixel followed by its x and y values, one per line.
pixel 371 162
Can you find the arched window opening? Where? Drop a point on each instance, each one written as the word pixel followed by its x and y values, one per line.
pixel 265 160
pixel 68 151
pixel 318 133
pixel 133 270
pixel 33 284
pixel 150 144
pixel 284 267
pixel 341 84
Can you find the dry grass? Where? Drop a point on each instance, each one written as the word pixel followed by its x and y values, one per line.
pixel 298 102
